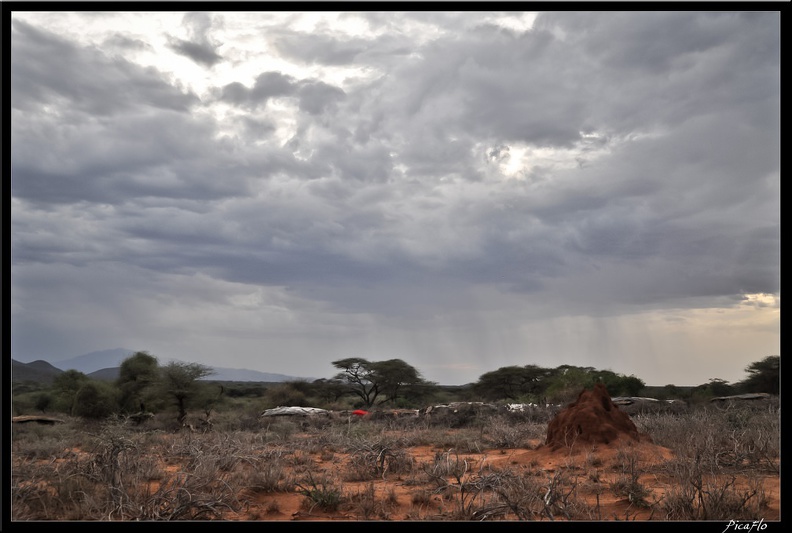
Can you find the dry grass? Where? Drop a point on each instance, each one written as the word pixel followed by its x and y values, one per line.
pixel 724 466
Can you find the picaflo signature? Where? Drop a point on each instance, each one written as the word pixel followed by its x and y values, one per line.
pixel 745 525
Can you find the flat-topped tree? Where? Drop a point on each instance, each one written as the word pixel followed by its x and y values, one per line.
pixel 370 380
pixel 179 382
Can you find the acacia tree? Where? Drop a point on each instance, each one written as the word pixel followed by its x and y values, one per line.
pixel 630 385
pixel 567 381
pixel 618 384
pixel 368 380
pixel 358 375
pixel 513 383
pixel 179 382
pixel 764 376
pixel 329 390
pixel 394 376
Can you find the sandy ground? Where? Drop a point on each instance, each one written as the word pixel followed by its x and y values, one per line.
pixel 594 466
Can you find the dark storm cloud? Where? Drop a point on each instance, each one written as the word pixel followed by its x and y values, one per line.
pixel 326 45
pixel 560 93
pixel 325 49
pixel 199 52
pixel 121 132
pixel 669 66
pixel 267 85
pixel 545 90
pixel 49 70
pixel 314 97
pixel 126 43
pixel 257 128
pixel 665 41
pixel 448 114
pixel 164 154
pixel 348 161
pixel 199 47
pixel 434 176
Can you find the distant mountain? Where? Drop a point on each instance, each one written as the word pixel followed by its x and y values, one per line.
pixel 220 374
pixel 91 362
pixel 105 365
pixel 243 374
pixel 37 371
pixel 106 374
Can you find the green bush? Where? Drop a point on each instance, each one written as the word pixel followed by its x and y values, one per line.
pixel 95 400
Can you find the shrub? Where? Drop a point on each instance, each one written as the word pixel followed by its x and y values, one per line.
pixel 320 493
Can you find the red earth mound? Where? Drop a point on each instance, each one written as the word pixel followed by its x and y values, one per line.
pixel 592 419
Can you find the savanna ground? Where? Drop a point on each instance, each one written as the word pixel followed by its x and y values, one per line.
pixel 703 463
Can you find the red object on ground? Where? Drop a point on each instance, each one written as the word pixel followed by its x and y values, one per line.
pixel 359 412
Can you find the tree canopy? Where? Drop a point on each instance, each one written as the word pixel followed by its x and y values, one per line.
pixel 371 380
pixel 179 382
pixel 67 387
pixel 561 384
pixel 514 383
pixel 137 376
pixel 143 385
pixel 763 376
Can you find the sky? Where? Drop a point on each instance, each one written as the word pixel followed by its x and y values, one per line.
pixel 463 191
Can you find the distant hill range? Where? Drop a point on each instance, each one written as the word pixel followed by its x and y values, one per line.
pixel 37 371
pixel 105 365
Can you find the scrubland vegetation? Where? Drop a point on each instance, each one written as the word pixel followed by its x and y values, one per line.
pixel 244 467
pixel 164 443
